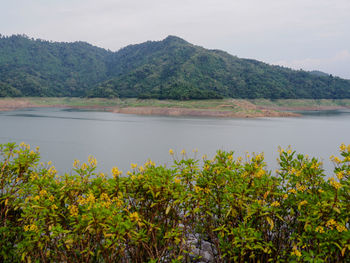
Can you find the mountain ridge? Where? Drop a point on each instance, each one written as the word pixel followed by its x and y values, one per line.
pixel 168 69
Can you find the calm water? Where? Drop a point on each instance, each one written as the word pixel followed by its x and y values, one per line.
pixel 118 140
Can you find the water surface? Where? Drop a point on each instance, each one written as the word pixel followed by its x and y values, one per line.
pixel 119 139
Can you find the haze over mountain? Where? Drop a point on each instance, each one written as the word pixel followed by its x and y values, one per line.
pixel 167 69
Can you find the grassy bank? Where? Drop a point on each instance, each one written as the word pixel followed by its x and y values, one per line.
pixel 297 103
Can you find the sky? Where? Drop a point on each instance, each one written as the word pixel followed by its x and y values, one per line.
pixel 300 34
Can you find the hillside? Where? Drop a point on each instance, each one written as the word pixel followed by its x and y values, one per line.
pixel 167 69
pixel 31 67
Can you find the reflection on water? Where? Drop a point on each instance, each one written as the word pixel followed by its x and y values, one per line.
pixel 118 139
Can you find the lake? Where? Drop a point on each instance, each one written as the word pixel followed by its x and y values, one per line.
pixel 118 139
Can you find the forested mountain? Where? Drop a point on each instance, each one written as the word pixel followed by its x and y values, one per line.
pixel 172 68
pixel 31 67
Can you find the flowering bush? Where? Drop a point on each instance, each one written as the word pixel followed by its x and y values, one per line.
pixel 151 213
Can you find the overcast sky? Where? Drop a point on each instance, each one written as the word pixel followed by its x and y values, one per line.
pixel 305 34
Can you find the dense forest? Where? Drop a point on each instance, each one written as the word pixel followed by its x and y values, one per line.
pixel 167 69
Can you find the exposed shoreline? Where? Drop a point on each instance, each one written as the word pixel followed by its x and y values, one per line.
pixel 232 109
pixel 201 112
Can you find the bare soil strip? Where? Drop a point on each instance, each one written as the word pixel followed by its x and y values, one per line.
pixel 232 108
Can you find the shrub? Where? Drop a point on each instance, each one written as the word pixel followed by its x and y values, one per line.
pixel 159 214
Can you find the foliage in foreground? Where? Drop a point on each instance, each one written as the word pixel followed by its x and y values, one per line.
pixel 247 214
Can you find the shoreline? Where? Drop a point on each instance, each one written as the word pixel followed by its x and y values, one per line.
pixel 230 108
pixel 16 104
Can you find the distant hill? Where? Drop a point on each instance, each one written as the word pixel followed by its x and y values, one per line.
pixel 167 69
pixel 319 73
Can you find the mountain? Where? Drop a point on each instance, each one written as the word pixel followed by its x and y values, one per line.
pixel 167 69
pixel 31 67
pixel 319 73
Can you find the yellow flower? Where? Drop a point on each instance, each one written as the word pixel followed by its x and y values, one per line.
pixel 171 152
pixel 285 196
pixel 183 152
pixel 195 150
pixel 301 188
pixel 73 210
pixel 141 169
pixel 275 204
pixel 335 159
pixel 150 163
pixel 134 217
pixel 34 176
pixel 206 190
pixel 105 197
pixel 296 252
pixel 334 183
pixel 90 198
pixel 52 170
pixel 340 175
pixel 341 228
pixel 53 207
pixel 260 173
pixel 84 166
pixel 52 198
pixel 118 202
pixel 81 200
pixel 331 223
pixel 92 161
pixel 42 192
pixel 133 166
pixel 76 163
pixel 342 147
pixel 33 228
pixel 177 180
pixel 292 191
pixel 116 172
pixel 36 198
pixel 319 229
pixel 197 189
pixel 301 204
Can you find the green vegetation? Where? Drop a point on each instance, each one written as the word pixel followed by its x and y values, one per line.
pixel 148 215
pixel 168 69
pixel 306 103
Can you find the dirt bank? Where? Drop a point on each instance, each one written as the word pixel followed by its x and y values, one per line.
pixel 13 104
pixel 200 112
pixel 240 109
